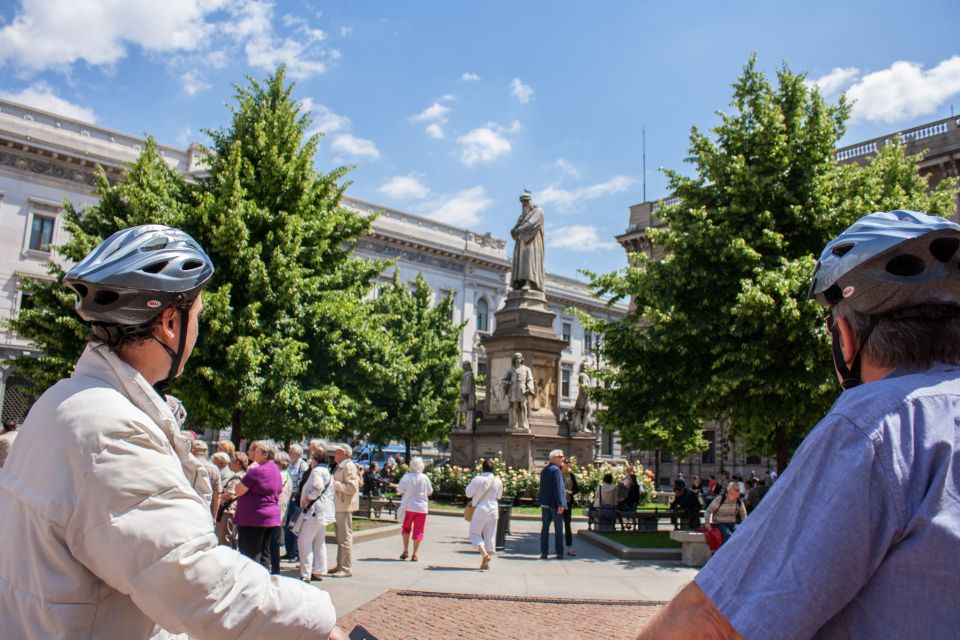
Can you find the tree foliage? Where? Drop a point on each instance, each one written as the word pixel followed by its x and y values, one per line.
pixel 722 329
pixel 420 403
pixel 287 344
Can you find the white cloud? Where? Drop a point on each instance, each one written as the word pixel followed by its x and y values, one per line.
pixel 831 84
pixel 404 188
pixel 346 31
pixel 193 83
pixel 435 130
pixel 579 237
pixel 566 199
pixel 56 33
pixel 463 209
pixel 904 91
pixel 325 120
pixel 470 77
pixel 486 144
pixel 435 112
pixel 354 146
pixel 520 91
pixel 567 168
pixel 40 95
pixel 448 97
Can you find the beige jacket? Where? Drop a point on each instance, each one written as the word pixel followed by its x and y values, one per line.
pixel 346 484
pixel 111 540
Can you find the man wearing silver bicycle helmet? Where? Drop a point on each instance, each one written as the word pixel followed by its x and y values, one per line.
pixel 859 537
pixel 112 538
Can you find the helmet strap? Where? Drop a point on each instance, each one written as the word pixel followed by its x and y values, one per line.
pixel 163 386
pixel 849 376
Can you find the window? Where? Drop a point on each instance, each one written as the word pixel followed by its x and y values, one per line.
pixel 587 341
pixel 482 311
pixel 481 372
pixel 566 330
pixel 26 300
pixel 566 372
pixel 41 232
pixel 443 295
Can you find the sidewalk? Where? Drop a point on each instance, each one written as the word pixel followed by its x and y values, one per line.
pixel 448 565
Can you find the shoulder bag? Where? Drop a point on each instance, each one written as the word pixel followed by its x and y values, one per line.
pixel 470 508
pixel 298 523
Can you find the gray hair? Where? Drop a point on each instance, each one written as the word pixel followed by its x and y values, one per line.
pixel 317 443
pixel 283 460
pixel 198 446
pixel 297 448
pixel 556 453
pixel 921 339
pixel 220 458
pixel 269 448
pixel 416 464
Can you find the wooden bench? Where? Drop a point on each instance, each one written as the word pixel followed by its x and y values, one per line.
pixel 695 551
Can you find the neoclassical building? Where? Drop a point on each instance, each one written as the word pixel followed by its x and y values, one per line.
pixel 46 159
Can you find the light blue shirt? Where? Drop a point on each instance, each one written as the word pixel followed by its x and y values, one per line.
pixel 860 536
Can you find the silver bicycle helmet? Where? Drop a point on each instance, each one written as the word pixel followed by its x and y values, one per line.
pixel 136 273
pixel 891 260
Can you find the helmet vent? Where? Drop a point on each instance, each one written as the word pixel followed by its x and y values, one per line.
pixel 841 250
pixel 944 248
pixel 156 246
pixel 105 297
pixel 190 265
pixel 156 267
pixel 906 265
pixel 81 289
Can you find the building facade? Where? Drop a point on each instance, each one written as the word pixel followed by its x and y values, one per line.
pixel 46 160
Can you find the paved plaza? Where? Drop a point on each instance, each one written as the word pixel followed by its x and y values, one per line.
pixel 448 565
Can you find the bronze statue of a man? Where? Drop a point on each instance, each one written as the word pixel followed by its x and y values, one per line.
pixel 518 389
pixel 468 398
pixel 528 246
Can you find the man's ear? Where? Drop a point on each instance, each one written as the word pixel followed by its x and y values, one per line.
pixel 849 343
pixel 168 323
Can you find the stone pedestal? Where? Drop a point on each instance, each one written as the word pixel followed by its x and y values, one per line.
pixel 524 325
pixel 695 552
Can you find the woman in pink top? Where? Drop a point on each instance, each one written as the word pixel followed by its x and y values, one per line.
pixel 258 508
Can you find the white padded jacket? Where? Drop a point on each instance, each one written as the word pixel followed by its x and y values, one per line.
pixel 105 536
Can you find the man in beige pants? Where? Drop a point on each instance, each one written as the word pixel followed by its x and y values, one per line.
pixel 346 500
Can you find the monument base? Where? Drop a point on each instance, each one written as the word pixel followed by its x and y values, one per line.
pixel 518 449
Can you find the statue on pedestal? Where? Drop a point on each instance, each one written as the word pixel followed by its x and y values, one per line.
pixel 466 416
pixel 518 389
pixel 582 419
pixel 527 234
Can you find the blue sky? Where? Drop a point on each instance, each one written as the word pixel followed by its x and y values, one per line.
pixel 451 109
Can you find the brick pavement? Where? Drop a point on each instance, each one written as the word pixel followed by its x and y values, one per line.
pixel 407 615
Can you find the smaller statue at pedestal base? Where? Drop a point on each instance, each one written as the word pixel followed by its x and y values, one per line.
pixel 518 389
pixel 582 414
pixel 466 415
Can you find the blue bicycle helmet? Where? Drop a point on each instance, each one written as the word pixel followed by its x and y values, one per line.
pixel 885 264
pixel 887 261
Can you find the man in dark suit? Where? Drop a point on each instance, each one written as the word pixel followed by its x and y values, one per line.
pixel 553 502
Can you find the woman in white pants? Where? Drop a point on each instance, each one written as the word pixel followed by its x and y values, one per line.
pixel 317 502
pixel 484 491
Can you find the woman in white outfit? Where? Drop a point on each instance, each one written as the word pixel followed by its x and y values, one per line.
pixel 317 494
pixel 415 488
pixel 484 491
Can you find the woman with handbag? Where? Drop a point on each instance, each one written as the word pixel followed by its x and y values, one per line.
pixel 311 525
pixel 483 511
pixel 415 488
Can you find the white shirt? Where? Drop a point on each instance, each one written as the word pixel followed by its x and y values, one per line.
pixel 318 481
pixel 415 487
pixel 486 486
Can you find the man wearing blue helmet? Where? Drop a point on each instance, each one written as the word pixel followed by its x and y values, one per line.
pixel 113 537
pixel 859 538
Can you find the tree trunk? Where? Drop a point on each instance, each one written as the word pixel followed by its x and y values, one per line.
pixel 236 434
pixel 780 442
pixel 406 448
pixel 656 469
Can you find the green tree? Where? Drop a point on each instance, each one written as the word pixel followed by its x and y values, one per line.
pixel 722 329
pixel 287 345
pixel 420 403
pixel 150 192
pixel 285 284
